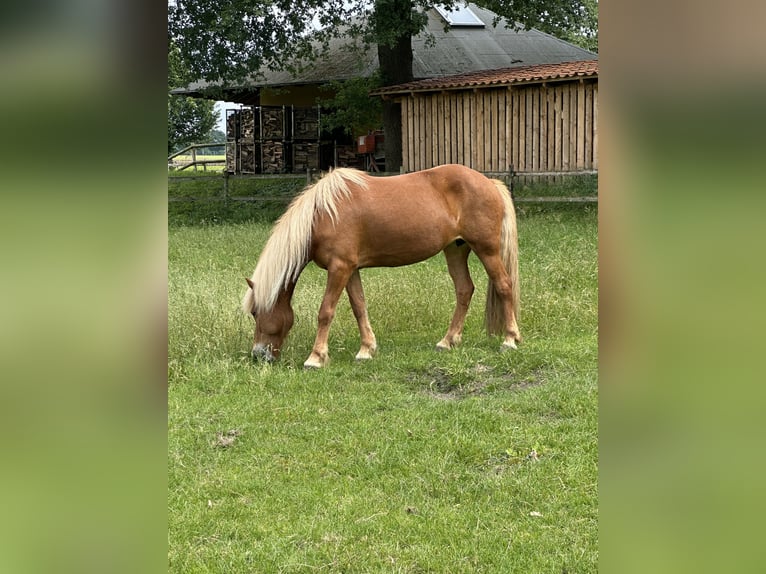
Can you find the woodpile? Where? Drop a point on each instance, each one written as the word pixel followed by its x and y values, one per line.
pixel 231 154
pixel 345 156
pixel 279 139
pixel 305 156
pixel 273 157
pixel 273 123
pixel 232 119
pixel 242 125
pixel 306 123
pixel 248 158
pixel 242 154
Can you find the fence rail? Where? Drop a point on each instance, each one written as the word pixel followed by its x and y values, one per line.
pixel 175 164
pixel 222 182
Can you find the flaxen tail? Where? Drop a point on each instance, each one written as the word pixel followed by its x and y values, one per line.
pixel 494 318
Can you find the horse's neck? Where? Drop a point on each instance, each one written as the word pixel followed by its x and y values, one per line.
pixel 286 295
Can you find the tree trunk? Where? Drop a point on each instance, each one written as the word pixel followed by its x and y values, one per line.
pixel 392 128
pixel 395 61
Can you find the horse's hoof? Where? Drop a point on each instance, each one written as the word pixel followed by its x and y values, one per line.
pixel 508 345
pixel 314 362
pixel 441 346
pixel 366 353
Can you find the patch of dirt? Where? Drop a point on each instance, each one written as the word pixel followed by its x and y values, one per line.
pixel 225 440
pixel 443 384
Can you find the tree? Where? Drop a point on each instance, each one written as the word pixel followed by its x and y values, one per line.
pixel 351 109
pixel 216 136
pixel 190 120
pixel 586 34
pixel 229 41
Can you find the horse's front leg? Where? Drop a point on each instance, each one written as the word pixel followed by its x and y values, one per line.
pixel 358 306
pixel 337 278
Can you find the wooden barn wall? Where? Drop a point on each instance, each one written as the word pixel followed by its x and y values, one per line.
pixel 532 128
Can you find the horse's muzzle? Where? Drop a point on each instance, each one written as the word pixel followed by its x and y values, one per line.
pixel 263 353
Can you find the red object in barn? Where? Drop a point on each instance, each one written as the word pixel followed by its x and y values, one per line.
pixel 366 144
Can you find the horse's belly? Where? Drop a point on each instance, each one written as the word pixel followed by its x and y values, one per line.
pixel 405 248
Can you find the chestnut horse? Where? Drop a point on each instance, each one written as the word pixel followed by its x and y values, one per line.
pixel 349 220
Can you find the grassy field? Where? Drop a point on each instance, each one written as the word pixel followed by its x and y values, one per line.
pixel 417 461
pixel 184 159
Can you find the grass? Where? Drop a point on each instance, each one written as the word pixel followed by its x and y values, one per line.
pixel 466 461
pixel 201 170
pixel 199 201
pixel 558 186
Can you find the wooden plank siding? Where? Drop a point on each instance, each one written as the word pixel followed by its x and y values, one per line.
pixel 542 127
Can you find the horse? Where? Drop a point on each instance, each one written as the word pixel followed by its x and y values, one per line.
pixel 349 220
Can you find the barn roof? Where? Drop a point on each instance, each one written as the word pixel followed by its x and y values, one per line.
pixel 440 50
pixel 498 77
pixel 461 49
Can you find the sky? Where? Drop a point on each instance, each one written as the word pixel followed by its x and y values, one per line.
pixel 220 109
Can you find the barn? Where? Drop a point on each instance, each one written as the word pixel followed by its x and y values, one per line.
pixel 528 119
pixel 281 128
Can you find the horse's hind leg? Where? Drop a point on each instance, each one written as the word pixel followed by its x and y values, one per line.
pixel 499 277
pixel 457 263
pixel 337 278
pixel 358 306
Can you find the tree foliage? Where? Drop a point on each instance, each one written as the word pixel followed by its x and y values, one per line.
pixel 190 120
pixel 585 34
pixel 227 42
pixel 351 109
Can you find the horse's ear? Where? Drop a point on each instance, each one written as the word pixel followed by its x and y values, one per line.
pixel 249 282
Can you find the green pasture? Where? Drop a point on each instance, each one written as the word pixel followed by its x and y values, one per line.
pixel 471 460
pixel 215 168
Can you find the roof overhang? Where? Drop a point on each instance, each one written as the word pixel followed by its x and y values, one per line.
pixel 512 76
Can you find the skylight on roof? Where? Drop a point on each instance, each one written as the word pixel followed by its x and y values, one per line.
pixel 459 16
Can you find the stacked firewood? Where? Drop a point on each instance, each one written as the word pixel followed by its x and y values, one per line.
pixel 232 135
pixel 306 121
pixel 232 119
pixel 275 139
pixel 248 158
pixel 273 120
pixel 273 157
pixel 346 156
pixel 231 155
pixel 248 125
pixel 305 156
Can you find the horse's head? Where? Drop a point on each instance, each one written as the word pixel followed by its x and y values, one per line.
pixel 271 328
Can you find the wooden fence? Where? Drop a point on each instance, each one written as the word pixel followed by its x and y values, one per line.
pixel 528 128
pixel 220 186
pixel 176 160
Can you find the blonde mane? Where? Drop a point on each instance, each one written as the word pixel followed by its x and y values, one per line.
pixel 286 251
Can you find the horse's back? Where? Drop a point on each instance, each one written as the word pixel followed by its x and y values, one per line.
pixel 398 220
